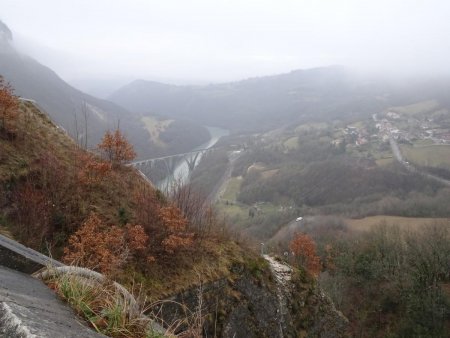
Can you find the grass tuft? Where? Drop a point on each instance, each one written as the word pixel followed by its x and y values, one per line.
pixel 103 307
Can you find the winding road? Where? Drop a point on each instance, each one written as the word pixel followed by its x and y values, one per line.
pixel 399 157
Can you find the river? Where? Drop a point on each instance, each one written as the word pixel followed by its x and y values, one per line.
pixel 181 171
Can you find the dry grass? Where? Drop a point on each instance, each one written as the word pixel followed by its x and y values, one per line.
pixel 5 232
pixel 112 311
pixel 102 306
pixel 35 133
pixel 411 223
pixel 212 261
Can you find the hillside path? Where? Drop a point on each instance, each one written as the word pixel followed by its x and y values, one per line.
pixel 283 274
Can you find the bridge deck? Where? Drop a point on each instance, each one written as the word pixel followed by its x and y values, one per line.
pixel 170 156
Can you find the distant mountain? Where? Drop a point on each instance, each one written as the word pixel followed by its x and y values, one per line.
pixel 266 102
pixel 258 103
pixel 64 103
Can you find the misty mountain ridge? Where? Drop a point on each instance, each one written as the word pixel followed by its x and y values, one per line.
pixel 5 33
pixel 324 93
pixel 64 103
pixel 259 103
pixel 77 111
pixel 235 105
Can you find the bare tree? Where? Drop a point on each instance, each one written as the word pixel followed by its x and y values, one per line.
pixel 77 133
pixel 84 110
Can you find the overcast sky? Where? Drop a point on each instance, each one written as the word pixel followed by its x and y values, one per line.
pixel 191 41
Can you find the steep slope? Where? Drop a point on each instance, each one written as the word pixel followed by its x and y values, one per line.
pixel 76 111
pixel 64 103
pixel 55 195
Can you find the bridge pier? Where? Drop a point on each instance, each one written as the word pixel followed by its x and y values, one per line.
pixel 192 161
pixel 170 162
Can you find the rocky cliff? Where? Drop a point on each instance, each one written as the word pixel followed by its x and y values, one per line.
pixel 254 302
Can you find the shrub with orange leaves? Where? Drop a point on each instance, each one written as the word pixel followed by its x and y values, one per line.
pixel 136 237
pixel 177 237
pixel 92 170
pixel 304 249
pixel 105 248
pixel 8 105
pixel 116 148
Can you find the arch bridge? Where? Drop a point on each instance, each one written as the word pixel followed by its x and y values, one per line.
pixel 170 161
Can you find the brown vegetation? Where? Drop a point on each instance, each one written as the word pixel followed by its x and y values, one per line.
pixel 8 106
pixel 63 200
pixel 105 248
pixel 304 250
pixel 116 148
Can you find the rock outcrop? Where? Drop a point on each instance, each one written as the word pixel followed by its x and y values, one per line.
pixel 262 298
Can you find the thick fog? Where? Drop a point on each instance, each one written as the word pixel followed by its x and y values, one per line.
pixel 202 41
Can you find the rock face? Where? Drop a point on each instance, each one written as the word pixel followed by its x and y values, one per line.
pixel 256 314
pixel 312 313
pixel 262 298
pixel 283 276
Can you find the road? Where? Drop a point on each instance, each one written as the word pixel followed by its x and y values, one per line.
pixel 17 256
pixel 399 157
pixel 28 308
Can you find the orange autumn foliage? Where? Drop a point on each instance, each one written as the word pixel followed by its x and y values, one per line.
pixel 136 237
pixel 177 237
pixel 104 248
pixel 304 249
pixel 116 148
pixel 92 170
pixel 9 105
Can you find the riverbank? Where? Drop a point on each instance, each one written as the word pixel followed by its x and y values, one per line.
pixel 181 173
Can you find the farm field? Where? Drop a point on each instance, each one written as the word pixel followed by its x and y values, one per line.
pixel 232 189
pixel 416 108
pixel 413 223
pixel 432 155
pixel 291 143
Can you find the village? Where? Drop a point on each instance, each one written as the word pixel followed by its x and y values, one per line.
pixel 410 129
